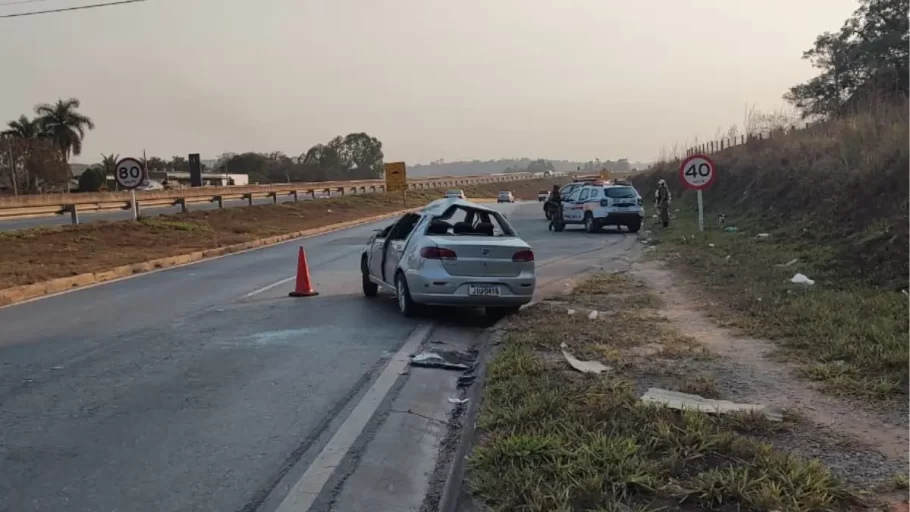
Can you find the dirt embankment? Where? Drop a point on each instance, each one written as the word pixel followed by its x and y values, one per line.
pixel 36 255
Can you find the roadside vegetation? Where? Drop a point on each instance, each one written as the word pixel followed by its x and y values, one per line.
pixel 829 202
pixel 36 255
pixel 552 439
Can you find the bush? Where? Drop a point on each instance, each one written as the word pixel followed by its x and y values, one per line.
pixel 92 180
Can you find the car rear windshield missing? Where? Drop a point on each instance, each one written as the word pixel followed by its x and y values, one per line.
pixel 620 192
pixel 466 221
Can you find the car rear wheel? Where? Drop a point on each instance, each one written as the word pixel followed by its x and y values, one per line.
pixel 634 227
pixel 406 305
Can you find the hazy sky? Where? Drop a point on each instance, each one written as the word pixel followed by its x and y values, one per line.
pixel 456 79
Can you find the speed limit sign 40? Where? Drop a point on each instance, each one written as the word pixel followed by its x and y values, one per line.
pixel 697 172
pixel 129 173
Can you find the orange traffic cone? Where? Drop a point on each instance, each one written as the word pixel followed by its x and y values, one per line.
pixel 303 287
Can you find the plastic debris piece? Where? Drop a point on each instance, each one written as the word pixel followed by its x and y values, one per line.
pixel 426 356
pixel 801 279
pixel 677 400
pixel 710 245
pixel 789 263
pixel 762 235
pixel 434 360
pixel 594 367
pixel 730 229
pixel 570 312
pixel 728 256
pixel 592 315
pixel 458 400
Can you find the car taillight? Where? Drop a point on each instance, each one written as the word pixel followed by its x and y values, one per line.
pixel 604 202
pixel 438 253
pixel 523 256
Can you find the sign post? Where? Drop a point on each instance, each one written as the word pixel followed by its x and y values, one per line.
pixel 129 174
pixel 698 172
pixel 396 178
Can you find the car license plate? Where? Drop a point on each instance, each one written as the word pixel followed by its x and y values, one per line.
pixel 484 290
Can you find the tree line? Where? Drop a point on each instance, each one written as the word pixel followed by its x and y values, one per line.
pixel 37 151
pixel 35 154
pixel 865 61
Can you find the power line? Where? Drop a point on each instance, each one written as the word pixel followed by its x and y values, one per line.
pixel 80 7
pixel 19 2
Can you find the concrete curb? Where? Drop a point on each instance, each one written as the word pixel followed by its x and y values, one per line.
pixel 16 294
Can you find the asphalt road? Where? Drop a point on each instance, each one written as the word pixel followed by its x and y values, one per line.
pixel 197 388
pixel 85 217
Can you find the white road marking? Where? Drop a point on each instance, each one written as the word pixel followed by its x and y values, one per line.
pixel 269 287
pixel 307 489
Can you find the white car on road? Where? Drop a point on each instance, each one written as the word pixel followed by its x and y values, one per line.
pixel 455 194
pixel 451 253
pixel 505 196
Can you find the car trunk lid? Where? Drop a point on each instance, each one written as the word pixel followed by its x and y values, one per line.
pixel 480 256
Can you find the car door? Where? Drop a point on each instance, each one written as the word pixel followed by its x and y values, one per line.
pixel 577 204
pixel 395 244
pixel 374 251
pixel 569 206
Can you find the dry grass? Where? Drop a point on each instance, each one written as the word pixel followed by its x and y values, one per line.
pixel 35 255
pixel 555 440
pixel 835 197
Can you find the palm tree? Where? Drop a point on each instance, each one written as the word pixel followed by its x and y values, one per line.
pixel 23 128
pixel 65 126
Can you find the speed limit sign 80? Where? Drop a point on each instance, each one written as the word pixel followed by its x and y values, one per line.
pixel 697 172
pixel 129 173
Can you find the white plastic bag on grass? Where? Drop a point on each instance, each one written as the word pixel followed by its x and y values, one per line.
pixel 801 279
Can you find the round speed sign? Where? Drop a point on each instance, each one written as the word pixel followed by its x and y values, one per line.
pixel 697 172
pixel 129 173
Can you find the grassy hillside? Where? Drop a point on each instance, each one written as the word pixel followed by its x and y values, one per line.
pixel 833 198
pixel 841 184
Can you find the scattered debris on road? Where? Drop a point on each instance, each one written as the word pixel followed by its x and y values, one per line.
pixel 444 360
pixel 458 400
pixel 592 315
pixel 682 401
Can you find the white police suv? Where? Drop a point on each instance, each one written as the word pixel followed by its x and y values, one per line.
pixel 598 204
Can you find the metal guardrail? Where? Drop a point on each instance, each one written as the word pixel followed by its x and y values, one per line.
pixel 23 207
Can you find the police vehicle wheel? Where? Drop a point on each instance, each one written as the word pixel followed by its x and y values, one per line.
pixel 634 227
pixel 590 225
pixel 559 226
pixel 405 304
